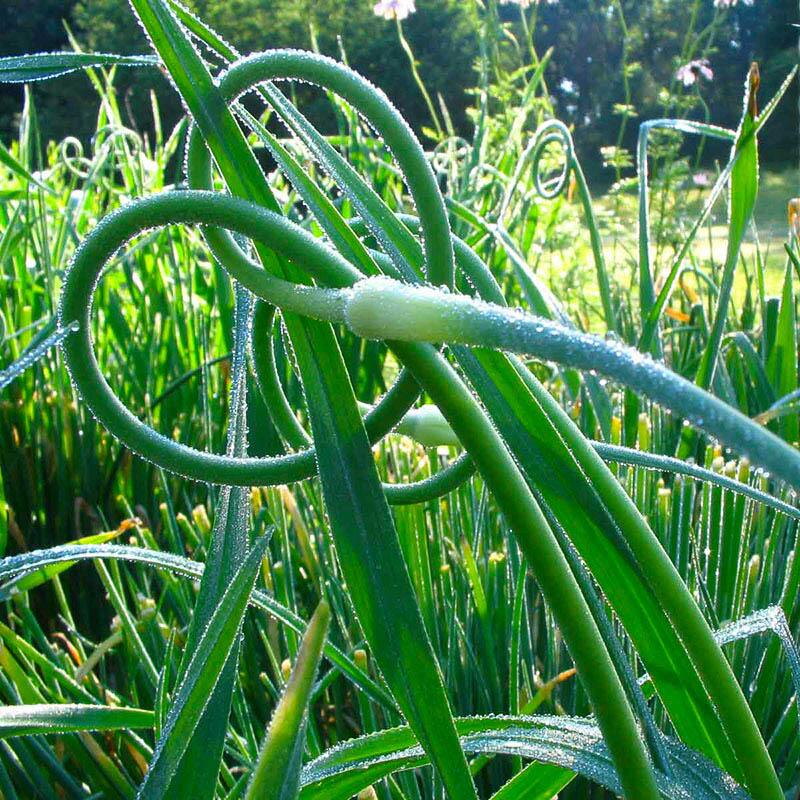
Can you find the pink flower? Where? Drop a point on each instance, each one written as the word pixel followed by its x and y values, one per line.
pixel 394 9
pixel 690 73
pixel 701 179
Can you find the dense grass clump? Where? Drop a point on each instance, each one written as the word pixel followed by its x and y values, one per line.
pixel 543 546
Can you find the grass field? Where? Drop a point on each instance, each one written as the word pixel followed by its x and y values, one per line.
pixel 566 262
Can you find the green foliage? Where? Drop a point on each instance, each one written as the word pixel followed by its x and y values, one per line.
pixel 528 561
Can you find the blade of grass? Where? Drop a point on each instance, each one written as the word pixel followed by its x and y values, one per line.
pixel 45 718
pixel 370 557
pixel 276 775
pixel 566 742
pixel 197 772
pixel 24 69
pixel 782 361
pixel 34 579
pixel 741 202
pixel 541 438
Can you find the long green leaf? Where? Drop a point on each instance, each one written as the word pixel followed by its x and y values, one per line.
pixel 41 66
pixel 199 766
pixel 370 556
pixel 537 781
pixel 276 775
pixel 741 202
pixel 46 718
pixel 41 576
pixel 196 86
pixel 566 742
pixel 782 360
pixel 424 702
pixel 545 444
pixel 192 696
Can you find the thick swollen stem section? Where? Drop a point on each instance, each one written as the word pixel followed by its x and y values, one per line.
pixel 427 314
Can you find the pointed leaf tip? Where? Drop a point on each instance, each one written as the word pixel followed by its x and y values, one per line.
pixel 276 775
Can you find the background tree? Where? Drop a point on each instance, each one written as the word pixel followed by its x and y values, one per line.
pixel 594 56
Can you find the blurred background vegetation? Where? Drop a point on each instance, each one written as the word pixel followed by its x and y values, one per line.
pixel 602 66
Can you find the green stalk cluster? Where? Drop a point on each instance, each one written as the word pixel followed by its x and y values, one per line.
pixel 409 318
